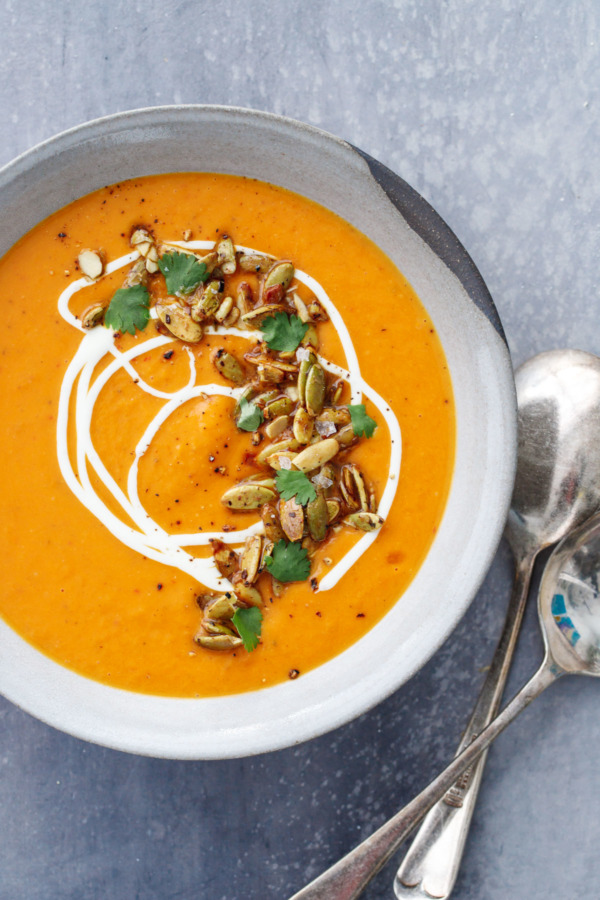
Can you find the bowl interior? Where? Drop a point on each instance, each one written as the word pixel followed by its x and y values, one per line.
pixel 383 207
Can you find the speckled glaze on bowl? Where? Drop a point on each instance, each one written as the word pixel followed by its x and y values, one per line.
pixel 382 206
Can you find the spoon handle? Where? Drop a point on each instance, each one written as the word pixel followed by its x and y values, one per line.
pixel 433 860
pixel 347 879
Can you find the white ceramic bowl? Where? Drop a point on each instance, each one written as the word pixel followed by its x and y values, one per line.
pixel 407 229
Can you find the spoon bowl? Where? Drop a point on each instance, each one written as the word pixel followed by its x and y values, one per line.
pixel 569 615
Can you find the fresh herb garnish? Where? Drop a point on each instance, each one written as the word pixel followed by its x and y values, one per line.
pixel 361 422
pixel 128 309
pixel 183 273
pixel 248 623
pixel 250 416
pixel 295 484
pixel 282 332
pixel 288 562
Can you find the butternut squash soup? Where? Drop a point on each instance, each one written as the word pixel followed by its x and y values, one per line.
pixel 228 435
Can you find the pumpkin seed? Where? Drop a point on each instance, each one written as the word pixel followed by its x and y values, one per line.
pixel 92 316
pixel 251 558
pixel 336 391
pixel 305 367
pixel 267 551
pixel 248 595
pixel 247 496
pixel 141 236
pixel 346 436
pixel 256 316
pixel 226 559
pixel 221 608
pixel 91 264
pixel 255 262
pixel 266 397
pixel 339 416
pixel 232 317
pixel 179 322
pixel 226 255
pixel 316 455
pixel 316 311
pixel 360 486
pixel 316 517
pixel 301 309
pixel 224 309
pixel 270 374
pixel 303 426
pixel 246 394
pixel 333 509
pixel 291 516
pixel 218 641
pixel 137 274
pixel 280 407
pixel 315 390
pixel 210 261
pixel 281 460
pixel 280 274
pixel 276 587
pixel 311 338
pixel 287 444
pixel 206 300
pixel 270 520
pixel 328 472
pixel 348 496
pixel 215 627
pixel 276 426
pixel 364 521
pixel 269 361
pixel 228 366
pixel 244 298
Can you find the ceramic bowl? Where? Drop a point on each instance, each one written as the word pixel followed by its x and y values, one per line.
pixel 382 206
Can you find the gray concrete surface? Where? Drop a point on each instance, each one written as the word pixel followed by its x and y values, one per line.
pixel 492 111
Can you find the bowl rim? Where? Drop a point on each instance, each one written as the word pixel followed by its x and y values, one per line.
pixel 431 228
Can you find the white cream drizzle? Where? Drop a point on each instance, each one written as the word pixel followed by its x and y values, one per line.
pixel 148 538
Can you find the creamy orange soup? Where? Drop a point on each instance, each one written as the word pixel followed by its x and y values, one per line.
pixel 86 599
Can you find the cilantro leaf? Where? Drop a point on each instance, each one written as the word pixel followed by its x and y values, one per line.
pixel 183 273
pixel 128 309
pixel 250 416
pixel 295 484
pixel 248 623
pixel 283 332
pixel 361 422
pixel 288 562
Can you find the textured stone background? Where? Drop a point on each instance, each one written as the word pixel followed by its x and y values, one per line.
pixel 491 110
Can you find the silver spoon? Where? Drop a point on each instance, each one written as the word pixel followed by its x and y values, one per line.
pixel 557 487
pixel 569 614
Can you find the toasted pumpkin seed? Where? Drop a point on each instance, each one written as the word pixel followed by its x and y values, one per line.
pixel 218 641
pixel 270 361
pixel 247 394
pixel 256 316
pixel 364 521
pixel 251 558
pixel 224 309
pixel 226 559
pixel 305 367
pixel 316 517
pixel 137 274
pixel 333 509
pixel 226 256
pixel 179 322
pixel 141 236
pixel 248 595
pixel 287 444
pixel 232 317
pixel 206 300
pixel 301 309
pixel 276 426
pixel 267 551
pixel 91 264
pixel 360 486
pixel 213 626
pixel 316 311
pixel 311 338
pixel 339 416
pixel 336 391
pixel 228 366
pixel 270 520
pixel 291 516
pixel 270 374
pixel 244 298
pixel 221 608
pixel 210 261
pixel 255 262
pixel 316 455
pixel 247 496
pixel 303 426
pixel 346 436
pixel 276 587
pixel 92 316
pixel 314 396
pixel 282 406
pixel 280 274
pixel 282 460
